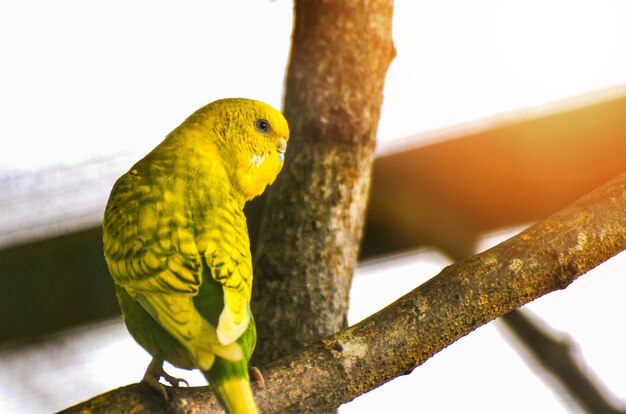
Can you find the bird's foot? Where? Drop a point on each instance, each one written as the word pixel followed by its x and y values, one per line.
pixel 155 372
pixel 257 375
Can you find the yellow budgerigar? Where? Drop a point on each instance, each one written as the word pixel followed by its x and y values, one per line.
pixel 176 243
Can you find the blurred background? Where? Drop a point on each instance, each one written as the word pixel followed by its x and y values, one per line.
pixel 496 114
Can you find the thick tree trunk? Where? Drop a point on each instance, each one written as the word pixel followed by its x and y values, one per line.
pixel 311 231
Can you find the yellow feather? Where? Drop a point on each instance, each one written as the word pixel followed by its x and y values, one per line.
pixel 238 387
pixel 176 216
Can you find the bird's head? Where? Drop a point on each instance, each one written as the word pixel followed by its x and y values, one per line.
pixel 251 138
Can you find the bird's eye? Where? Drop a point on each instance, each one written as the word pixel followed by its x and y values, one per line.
pixel 262 126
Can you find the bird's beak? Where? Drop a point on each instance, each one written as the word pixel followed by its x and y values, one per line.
pixel 282 147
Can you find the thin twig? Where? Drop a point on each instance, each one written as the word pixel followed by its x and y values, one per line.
pixel 557 358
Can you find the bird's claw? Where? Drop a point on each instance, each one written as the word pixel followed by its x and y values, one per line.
pixel 155 372
pixel 257 375
pixel 173 381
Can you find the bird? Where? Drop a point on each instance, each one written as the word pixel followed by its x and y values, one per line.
pixel 177 247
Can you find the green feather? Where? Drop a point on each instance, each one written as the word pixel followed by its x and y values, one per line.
pixel 176 242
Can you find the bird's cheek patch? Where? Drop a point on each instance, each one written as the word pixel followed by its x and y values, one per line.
pixel 258 159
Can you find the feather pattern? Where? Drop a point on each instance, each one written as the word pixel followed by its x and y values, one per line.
pixel 176 240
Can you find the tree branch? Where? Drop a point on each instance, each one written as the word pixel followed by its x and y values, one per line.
pixel 546 257
pixel 556 358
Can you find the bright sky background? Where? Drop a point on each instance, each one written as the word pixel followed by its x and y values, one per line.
pixel 84 79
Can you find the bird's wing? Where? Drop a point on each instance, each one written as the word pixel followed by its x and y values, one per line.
pixel 149 244
pixel 225 245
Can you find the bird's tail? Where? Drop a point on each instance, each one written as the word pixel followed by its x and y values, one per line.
pixel 231 384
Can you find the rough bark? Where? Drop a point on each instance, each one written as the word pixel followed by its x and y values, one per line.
pixel 312 226
pixel 546 257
